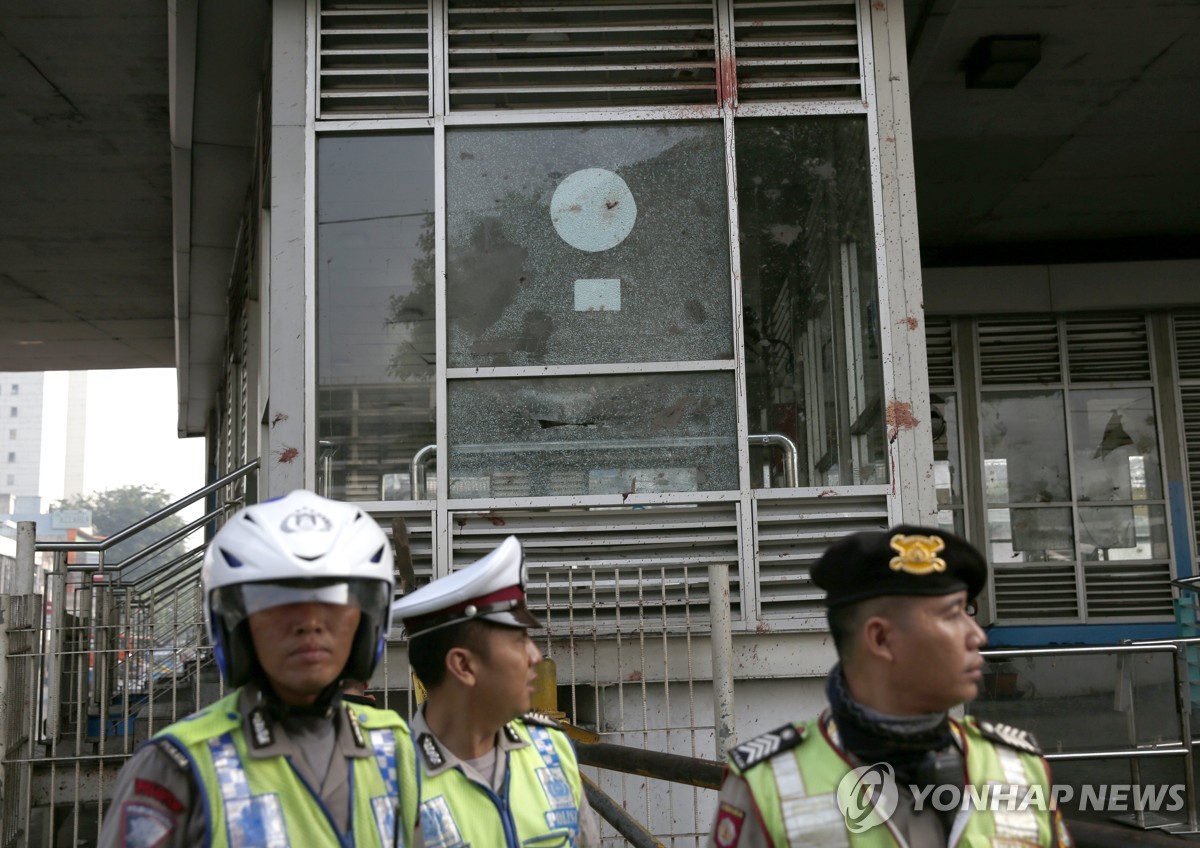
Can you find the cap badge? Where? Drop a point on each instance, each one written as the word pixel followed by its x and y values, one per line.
pixel 306 521
pixel 917 554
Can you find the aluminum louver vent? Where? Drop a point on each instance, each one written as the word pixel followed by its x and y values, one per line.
pixel 578 54
pixel 374 59
pixel 1128 589
pixel 799 50
pixel 1187 346
pixel 1106 349
pixel 1019 351
pixel 1035 593
pixel 1190 402
pixel 791 536
pixel 939 352
pixel 591 568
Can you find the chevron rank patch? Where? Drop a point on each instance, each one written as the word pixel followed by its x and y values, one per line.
pixel 1005 734
pixel 753 752
pixel 540 718
pixel 174 754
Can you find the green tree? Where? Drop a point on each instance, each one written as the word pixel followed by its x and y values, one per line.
pixel 115 509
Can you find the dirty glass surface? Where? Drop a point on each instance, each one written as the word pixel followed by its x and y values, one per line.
pixel 810 306
pixel 592 244
pixel 375 310
pixel 592 435
pixel 1115 439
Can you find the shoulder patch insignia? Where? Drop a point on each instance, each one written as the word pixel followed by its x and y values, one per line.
pixel 172 751
pixel 1005 734
pixel 352 720
pixel 511 734
pixel 753 752
pixel 540 718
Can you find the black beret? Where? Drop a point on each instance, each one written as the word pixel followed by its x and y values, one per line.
pixel 905 560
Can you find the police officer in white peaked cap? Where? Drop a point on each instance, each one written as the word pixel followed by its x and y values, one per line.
pixel 297 596
pixel 492 773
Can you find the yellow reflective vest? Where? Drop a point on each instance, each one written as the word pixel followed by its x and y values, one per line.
pixel 263 802
pixel 539 806
pixel 796 789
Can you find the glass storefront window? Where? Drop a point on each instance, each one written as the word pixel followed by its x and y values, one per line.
pixel 1116 444
pixel 811 314
pixel 1025 447
pixel 587 244
pixel 947 460
pixel 592 435
pixel 376 334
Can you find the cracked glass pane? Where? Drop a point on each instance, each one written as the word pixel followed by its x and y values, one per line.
pixel 593 244
pixel 592 435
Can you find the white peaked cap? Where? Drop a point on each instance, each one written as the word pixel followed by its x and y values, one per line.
pixel 492 589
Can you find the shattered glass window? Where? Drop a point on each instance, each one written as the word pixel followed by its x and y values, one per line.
pixel 592 435
pixel 587 244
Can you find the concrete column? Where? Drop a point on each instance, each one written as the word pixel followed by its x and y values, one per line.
pixel 907 403
pixel 26 534
pixel 287 461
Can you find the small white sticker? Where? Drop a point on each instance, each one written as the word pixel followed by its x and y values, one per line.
pixel 597 295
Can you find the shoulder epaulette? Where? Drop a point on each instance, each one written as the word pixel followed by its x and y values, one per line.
pixel 173 753
pixel 763 747
pixel 540 718
pixel 1005 734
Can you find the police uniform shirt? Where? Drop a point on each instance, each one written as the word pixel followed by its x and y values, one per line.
pixel 158 786
pixel 742 827
pixel 589 830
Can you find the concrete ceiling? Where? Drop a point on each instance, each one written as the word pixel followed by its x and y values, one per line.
pixel 119 201
pixel 1091 157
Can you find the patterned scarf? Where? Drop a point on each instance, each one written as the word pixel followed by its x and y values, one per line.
pixel 904 741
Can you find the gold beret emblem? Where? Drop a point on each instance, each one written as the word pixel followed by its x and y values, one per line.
pixel 917 554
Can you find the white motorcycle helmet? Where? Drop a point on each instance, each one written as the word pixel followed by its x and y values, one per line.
pixel 295 549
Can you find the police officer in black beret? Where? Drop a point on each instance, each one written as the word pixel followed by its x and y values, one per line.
pixel 885 764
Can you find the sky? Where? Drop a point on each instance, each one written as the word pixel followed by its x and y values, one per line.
pixel 131 434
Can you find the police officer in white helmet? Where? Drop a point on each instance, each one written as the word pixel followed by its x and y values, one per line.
pixel 297 596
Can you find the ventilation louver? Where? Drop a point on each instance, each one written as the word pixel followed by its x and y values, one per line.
pixel 573 54
pixel 592 570
pixel 1022 350
pixel 1107 349
pixel 799 50
pixel 1187 346
pixel 939 352
pixel 374 59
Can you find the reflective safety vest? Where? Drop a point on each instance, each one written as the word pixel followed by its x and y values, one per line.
pixel 796 789
pixel 539 807
pixel 263 802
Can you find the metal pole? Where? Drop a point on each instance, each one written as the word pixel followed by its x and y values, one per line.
pixel 26 534
pixel 1185 732
pixel 721 619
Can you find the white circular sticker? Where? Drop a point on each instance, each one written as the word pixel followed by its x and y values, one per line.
pixel 593 210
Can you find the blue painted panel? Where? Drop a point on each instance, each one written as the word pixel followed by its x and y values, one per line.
pixel 1076 634
pixel 1177 504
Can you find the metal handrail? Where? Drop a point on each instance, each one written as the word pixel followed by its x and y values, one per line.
pixel 139 526
pixel 1183 748
pixel 791 454
pixel 417 471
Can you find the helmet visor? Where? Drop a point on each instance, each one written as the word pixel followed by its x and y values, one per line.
pixel 236 603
